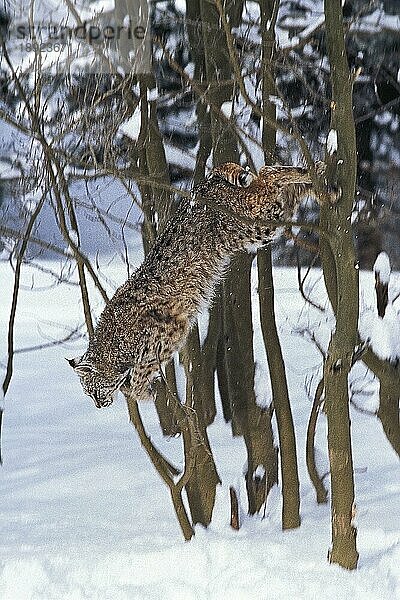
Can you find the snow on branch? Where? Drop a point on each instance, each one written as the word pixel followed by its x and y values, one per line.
pixel 382 330
pixel 331 142
pixel 382 267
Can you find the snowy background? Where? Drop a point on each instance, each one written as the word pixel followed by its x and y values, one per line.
pixel 85 516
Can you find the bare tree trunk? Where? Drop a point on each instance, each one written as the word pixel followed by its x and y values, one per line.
pixel 389 393
pixel 157 206
pixel 166 471
pixel 203 358
pixel 248 419
pixel 344 339
pixel 164 388
pixel 280 395
pixel 201 485
pixel 388 413
pixel 203 477
pixel 198 362
pixel 235 359
pixel 389 396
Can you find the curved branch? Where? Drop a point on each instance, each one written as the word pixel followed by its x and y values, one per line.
pixel 163 468
pixel 322 494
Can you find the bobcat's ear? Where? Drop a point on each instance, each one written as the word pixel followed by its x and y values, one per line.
pixel 74 362
pixel 80 366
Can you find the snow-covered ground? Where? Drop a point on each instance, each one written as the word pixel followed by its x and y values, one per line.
pixel 84 515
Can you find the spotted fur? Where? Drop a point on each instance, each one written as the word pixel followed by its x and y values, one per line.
pixel 151 314
pixel 233 174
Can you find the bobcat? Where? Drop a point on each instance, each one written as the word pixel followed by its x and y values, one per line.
pixel 150 315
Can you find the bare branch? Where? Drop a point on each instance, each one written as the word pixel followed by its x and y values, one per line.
pixel 317 481
pixel 14 302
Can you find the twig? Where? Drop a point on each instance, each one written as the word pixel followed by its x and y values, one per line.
pixel 50 160
pixel 256 109
pixel 311 248
pixel 317 481
pixel 17 235
pixel 301 281
pixel 73 335
pixel 235 523
pixel 14 302
pixel 376 111
pixel 360 409
pixel 310 335
pixel 202 93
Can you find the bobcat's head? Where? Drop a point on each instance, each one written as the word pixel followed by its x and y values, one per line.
pixel 101 387
pixel 223 182
pixel 233 174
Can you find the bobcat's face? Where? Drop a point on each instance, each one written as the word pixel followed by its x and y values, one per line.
pixel 233 174
pixel 102 388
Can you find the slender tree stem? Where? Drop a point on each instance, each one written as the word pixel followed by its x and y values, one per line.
pixel 163 468
pixel 340 352
pixel 322 494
